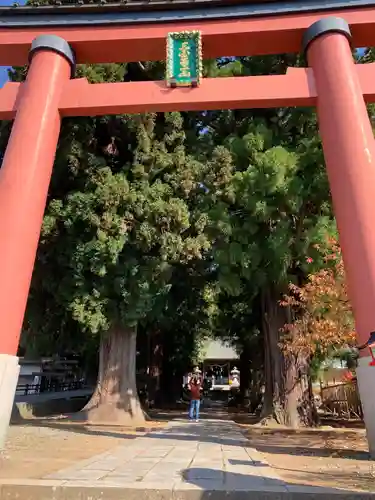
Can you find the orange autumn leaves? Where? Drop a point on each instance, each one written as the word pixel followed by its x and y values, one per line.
pixel 321 316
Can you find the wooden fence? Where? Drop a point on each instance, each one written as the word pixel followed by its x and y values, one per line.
pixel 342 400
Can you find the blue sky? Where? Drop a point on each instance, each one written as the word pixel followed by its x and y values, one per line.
pixel 3 75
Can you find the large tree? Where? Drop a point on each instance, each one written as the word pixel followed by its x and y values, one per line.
pixel 115 240
pixel 271 211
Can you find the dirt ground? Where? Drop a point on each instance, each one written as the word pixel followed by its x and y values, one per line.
pixel 42 447
pixel 322 457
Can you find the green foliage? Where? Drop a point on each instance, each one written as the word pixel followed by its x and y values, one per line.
pixel 115 237
pixel 349 356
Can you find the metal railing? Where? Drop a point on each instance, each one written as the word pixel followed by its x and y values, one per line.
pixel 28 389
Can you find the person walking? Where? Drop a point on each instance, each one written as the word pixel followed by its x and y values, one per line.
pixel 195 398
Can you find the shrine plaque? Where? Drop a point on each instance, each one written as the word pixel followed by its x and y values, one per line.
pixel 184 59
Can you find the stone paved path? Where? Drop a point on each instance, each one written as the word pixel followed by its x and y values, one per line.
pixel 209 455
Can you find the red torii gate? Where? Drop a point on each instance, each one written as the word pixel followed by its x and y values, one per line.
pixel 332 83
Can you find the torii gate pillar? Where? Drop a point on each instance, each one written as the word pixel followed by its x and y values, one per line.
pixel 349 151
pixel 24 180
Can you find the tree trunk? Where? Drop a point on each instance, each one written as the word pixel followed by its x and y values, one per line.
pixel 256 390
pixel 287 398
pixel 115 400
pixel 245 374
pixel 154 368
pixel 170 388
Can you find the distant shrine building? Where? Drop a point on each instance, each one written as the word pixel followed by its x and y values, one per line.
pixel 218 366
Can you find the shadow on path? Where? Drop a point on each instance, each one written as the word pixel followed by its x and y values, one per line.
pixel 218 432
pixel 213 483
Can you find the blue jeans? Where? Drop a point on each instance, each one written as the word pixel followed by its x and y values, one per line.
pixel 194 407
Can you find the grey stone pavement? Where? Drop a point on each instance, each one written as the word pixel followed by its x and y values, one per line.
pixel 209 455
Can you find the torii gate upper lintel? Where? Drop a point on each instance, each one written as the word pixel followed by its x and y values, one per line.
pixel 332 83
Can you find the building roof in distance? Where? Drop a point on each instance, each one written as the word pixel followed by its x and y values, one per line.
pixel 217 350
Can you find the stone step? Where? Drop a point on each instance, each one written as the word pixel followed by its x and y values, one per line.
pixel 80 490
